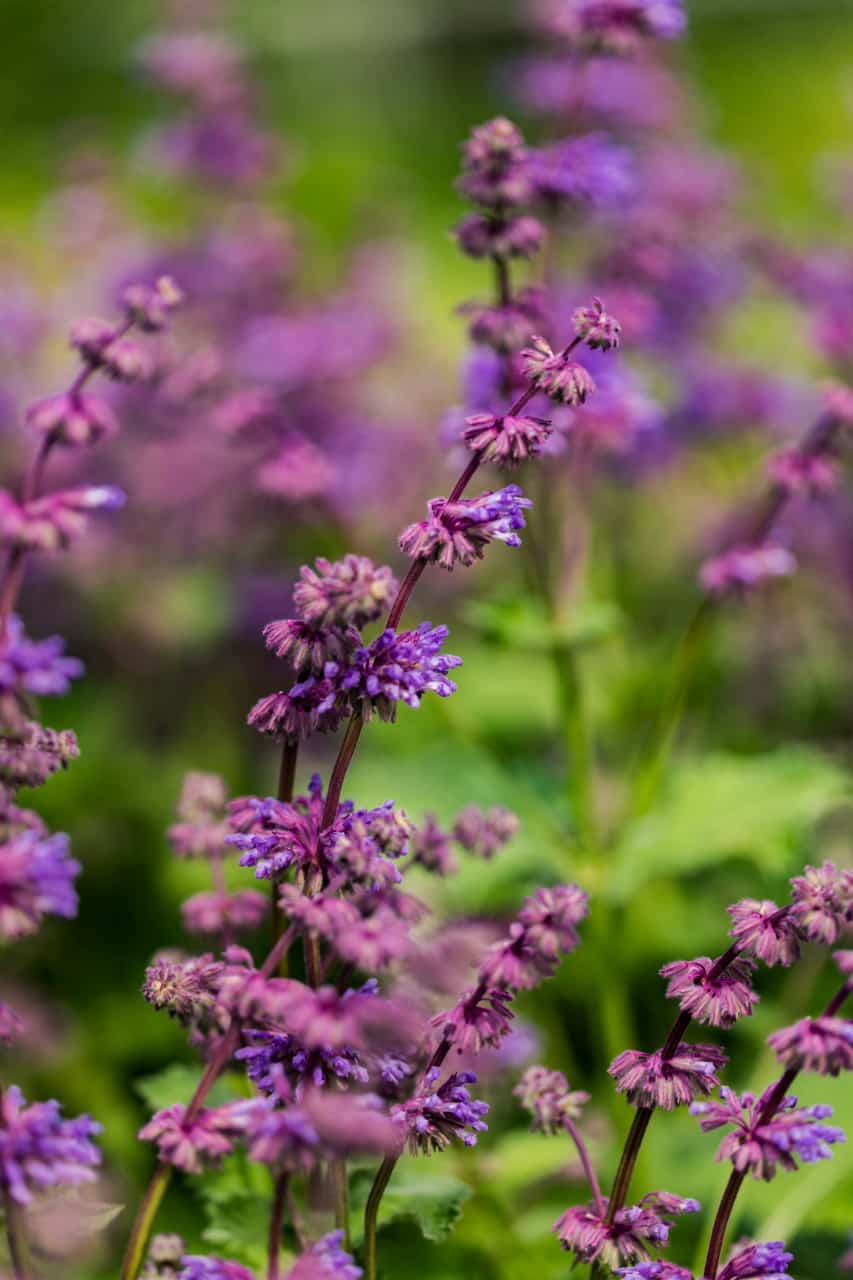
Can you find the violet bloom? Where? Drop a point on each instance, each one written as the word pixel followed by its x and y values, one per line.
pixel 432 849
pixel 439 1113
pixel 201 829
pixel 274 835
pixel 269 1051
pixel 650 1080
pixel 495 173
pixel 479 1020
pixel 718 1001
pixel 40 667
pixel 484 832
pixel 550 917
pixel 308 707
pixel 655 1270
pixel 548 1098
pixel 765 931
pixel 757 1145
pixel 596 328
pixel 459 532
pixel 38 1149
pixel 196 1144
pixel 397 667
pixel 742 568
pixel 634 1231
pixel 186 989
pixel 496 237
pixel 505 440
pixel 590 171
pixel 53 522
pixel 506 326
pixel 821 1044
pixel 148 306
pixel 30 753
pixel 822 907
pixel 758 1262
pixel 618 26
pixel 281 1136
pixel 215 912
pixel 802 473
pixel 73 418
pixel 196 1267
pixel 36 880
pixel 309 648
pixel 325 1260
pixel 348 592
pixel 556 374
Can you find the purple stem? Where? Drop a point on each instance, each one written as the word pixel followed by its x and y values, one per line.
pixel 574 1133
pixel 277 1224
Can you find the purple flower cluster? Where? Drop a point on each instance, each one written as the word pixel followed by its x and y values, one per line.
pixel 764 1139
pixel 38 1149
pixel 438 1113
pixel 458 532
pixel 752 1262
pixel 634 1230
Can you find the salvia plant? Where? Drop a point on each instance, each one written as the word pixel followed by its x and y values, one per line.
pixel 365 1036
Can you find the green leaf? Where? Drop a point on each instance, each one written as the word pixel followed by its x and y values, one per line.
pixel 178 1083
pixel 726 806
pixel 521 622
pixel 237 1228
pixel 435 1204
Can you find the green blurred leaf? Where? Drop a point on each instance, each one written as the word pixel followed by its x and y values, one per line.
pixel 238 1227
pixel 521 622
pixel 727 806
pixel 178 1082
pixel 435 1204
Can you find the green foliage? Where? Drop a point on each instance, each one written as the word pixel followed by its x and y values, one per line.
pixel 178 1083
pixel 433 1203
pixel 719 806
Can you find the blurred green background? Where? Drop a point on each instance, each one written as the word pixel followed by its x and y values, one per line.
pixel 373 97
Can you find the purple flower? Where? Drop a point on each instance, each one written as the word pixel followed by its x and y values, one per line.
pixel 484 832
pixel 219 912
pixel 325 1260
pixel 758 1262
pixel 483 236
pixel 186 989
pixel 458 532
pixel 635 1229
pixel 149 305
pixel 279 1135
pixel 589 170
pixel 437 1115
pixel 765 931
pixel 73 418
pixel 615 25
pixel 195 1144
pixel 267 1051
pixel 822 1044
pixel 505 440
pixel 35 666
pixel 348 592
pixel 201 829
pixel 597 329
pixel 758 1143
pixel 39 1149
pixel 742 568
pixel 56 520
pixel 431 848
pixel 309 648
pixel 802 473
pixel 650 1080
pixel 546 1095
pixel 30 753
pixel 549 918
pixel 308 707
pixel 103 347
pixel 494 166
pixel 717 1000
pixel 822 902
pixel 506 327
pixel 274 835
pixel 36 879
pixel 556 375
pixel 656 1270
pixel 195 1267
pixel 480 1020
pixel 397 667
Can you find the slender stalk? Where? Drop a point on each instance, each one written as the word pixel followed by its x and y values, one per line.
pixel 279 1205
pixel 371 1214
pixel 586 1163
pixel 138 1241
pixel 773 1101
pixel 579 746
pixel 340 1181
pixel 284 792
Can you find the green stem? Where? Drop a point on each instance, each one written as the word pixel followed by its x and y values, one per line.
pixel 371 1214
pixel 138 1241
pixel 578 743
pixel 657 753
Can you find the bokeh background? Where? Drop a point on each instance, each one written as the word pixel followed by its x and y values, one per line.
pixel 370 101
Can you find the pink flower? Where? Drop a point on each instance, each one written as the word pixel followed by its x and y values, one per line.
pixel 192 1145
pixel 824 1045
pixel 650 1080
pixel 765 931
pixel 718 1001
